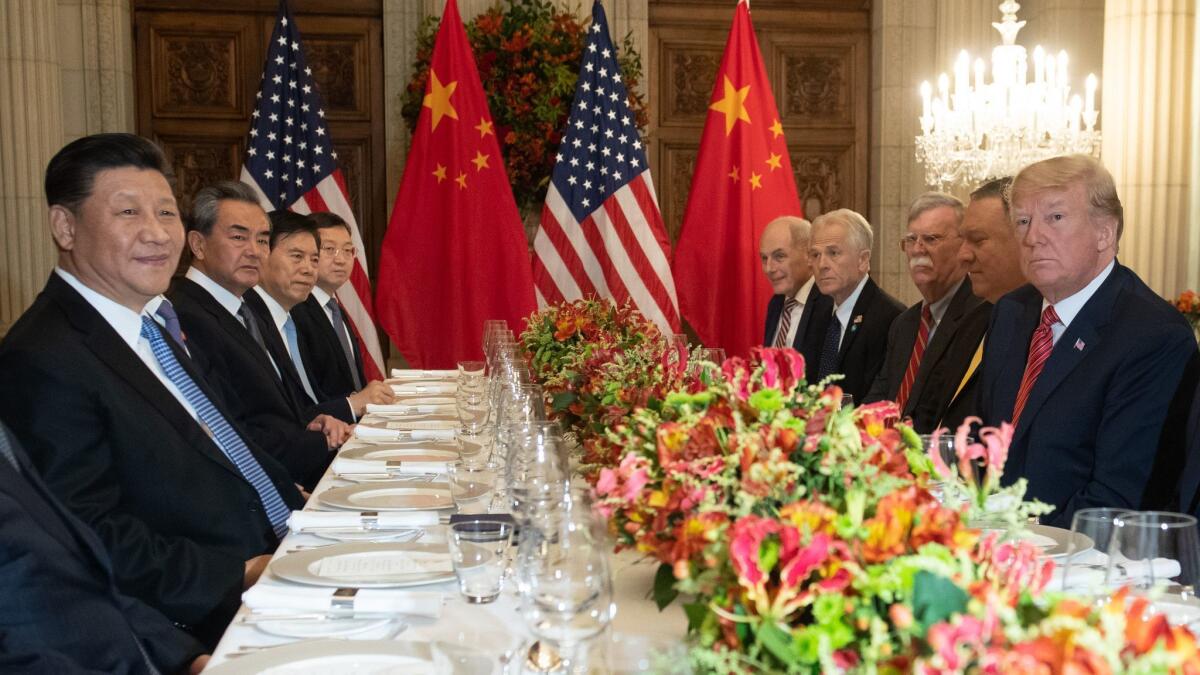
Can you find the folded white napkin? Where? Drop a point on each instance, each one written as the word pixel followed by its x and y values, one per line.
pixel 376 433
pixel 349 467
pixel 414 374
pixel 301 520
pixel 409 408
pixel 305 599
pixel 1086 575
pixel 424 388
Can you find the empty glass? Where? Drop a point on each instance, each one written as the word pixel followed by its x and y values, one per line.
pixel 473 408
pixel 472 486
pixel 477 551
pixel 475 444
pixel 1154 549
pixel 1084 568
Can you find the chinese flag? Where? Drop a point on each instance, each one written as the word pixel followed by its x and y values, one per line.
pixel 742 181
pixel 455 252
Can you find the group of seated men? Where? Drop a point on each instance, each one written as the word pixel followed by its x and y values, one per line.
pixel 155 435
pixel 1026 317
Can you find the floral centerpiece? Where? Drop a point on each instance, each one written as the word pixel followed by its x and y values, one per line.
pixel 804 538
pixel 1188 303
pixel 528 54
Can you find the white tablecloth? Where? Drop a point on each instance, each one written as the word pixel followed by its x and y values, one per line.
pixel 494 628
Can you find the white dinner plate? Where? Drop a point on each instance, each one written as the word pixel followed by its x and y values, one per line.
pixel 320 627
pixel 371 535
pixel 345 657
pixel 393 495
pixel 1179 610
pixel 1055 542
pixel 312 566
pixel 430 451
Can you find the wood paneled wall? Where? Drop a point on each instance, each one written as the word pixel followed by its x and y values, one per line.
pixel 817 55
pixel 199 64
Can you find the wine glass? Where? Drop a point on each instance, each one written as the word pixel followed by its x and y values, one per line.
pixel 1154 549
pixel 568 596
pixel 1084 570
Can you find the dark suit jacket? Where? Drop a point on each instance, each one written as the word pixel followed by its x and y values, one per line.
pixel 952 412
pixel 936 364
pixel 1189 484
pixel 116 448
pixel 322 352
pixel 338 407
pixel 1090 432
pixel 242 373
pixel 62 611
pixel 864 342
pixel 814 320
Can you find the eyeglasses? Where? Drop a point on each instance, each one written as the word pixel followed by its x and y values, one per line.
pixel 334 252
pixel 927 240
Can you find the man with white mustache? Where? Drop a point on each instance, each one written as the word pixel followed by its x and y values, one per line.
pixel 918 339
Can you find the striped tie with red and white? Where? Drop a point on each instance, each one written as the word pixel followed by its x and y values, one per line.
pixel 914 361
pixel 1039 350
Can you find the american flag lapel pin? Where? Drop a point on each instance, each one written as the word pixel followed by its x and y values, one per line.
pixel 1079 344
pixel 854 324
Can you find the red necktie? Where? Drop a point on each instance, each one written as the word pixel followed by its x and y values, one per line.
pixel 785 323
pixel 1039 350
pixel 914 361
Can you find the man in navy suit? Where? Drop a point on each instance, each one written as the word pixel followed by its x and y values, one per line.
pixel 122 427
pixel 798 307
pixel 854 342
pixel 61 610
pixel 1086 361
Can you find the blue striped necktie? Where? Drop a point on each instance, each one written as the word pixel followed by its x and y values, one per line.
pixel 221 431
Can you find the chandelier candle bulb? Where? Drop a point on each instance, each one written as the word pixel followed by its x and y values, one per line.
pixel 1039 65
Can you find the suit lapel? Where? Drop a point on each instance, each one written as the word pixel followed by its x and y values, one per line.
pixel 856 318
pixel 114 353
pixel 942 338
pixel 1080 339
pixel 278 349
pixel 774 307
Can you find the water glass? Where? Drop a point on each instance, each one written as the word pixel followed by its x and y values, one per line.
pixel 475 444
pixel 1085 570
pixel 473 408
pixel 1153 549
pixel 472 486
pixel 477 551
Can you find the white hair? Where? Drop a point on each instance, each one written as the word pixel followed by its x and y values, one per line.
pixel 857 227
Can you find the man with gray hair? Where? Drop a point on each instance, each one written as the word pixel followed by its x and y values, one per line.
pixel 1091 367
pixel 798 307
pixel 227 235
pixel 919 339
pixel 855 341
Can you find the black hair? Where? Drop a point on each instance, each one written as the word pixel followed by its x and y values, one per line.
pixel 285 223
pixel 72 171
pixel 324 219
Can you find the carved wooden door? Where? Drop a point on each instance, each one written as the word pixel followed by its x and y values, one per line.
pixel 817 56
pixel 197 71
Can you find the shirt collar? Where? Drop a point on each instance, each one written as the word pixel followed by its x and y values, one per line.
pixel 224 298
pixel 279 315
pixel 321 296
pixel 844 310
pixel 126 322
pixel 938 309
pixel 801 295
pixel 1068 308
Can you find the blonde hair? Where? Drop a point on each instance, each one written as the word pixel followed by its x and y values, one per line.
pixel 856 226
pixel 1059 173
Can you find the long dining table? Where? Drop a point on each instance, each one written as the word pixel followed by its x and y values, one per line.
pixel 473 638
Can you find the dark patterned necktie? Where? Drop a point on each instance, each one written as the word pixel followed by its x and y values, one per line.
pixel 829 352
pixel 340 328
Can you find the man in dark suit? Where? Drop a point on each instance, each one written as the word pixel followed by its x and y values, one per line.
pixel 227 234
pixel 1189 483
pixel 1086 360
pixel 798 307
pixel 121 427
pixel 328 344
pixel 992 255
pixel 920 339
pixel 62 612
pixel 288 278
pixel 855 340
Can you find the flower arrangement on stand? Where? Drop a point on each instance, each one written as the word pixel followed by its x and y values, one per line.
pixel 528 54
pixel 1188 303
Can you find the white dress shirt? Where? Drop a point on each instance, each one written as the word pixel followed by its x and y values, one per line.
pixel 323 299
pixel 938 309
pixel 843 312
pixel 1069 307
pixel 128 325
pixel 800 297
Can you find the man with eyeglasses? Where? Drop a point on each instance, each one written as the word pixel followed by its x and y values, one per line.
pixel 919 339
pixel 328 344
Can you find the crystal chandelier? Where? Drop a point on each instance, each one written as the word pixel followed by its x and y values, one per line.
pixel 986 130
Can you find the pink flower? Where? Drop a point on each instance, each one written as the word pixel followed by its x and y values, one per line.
pixel 746 540
pixel 634 484
pixel 945 638
pixel 939 465
pixel 607 482
pixel 997 442
pixel 799 561
pixel 737 373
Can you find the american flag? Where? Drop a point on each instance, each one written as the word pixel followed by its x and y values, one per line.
pixel 601 232
pixel 291 162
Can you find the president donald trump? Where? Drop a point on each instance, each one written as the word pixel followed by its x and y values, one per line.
pixel 1085 361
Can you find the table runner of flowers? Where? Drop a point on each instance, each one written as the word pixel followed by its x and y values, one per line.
pixel 803 537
